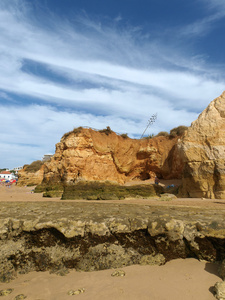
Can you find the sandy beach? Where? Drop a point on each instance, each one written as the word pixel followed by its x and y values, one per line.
pixel 15 193
pixel 178 279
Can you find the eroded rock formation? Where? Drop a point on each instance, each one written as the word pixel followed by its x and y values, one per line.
pixel 96 236
pixel 91 155
pixel 203 151
pixel 30 178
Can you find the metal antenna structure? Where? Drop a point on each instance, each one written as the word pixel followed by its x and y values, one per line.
pixel 150 122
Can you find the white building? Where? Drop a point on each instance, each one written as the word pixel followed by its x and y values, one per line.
pixel 17 169
pixel 46 157
pixel 6 175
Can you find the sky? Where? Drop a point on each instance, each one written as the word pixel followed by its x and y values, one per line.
pixel 71 63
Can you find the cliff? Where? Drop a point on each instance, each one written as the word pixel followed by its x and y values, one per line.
pixel 103 155
pixel 202 150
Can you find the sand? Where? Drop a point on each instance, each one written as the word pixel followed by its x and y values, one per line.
pixel 178 279
pixel 15 193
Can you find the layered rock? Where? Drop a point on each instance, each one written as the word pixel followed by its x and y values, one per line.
pixel 203 151
pixel 91 155
pixel 96 236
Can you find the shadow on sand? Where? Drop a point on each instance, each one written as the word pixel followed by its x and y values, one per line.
pixel 213 269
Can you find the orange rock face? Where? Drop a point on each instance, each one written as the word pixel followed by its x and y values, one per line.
pixel 93 155
pixel 29 178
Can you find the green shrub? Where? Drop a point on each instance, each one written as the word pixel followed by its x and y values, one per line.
pixel 76 131
pixel 148 137
pixel 178 131
pixel 106 131
pixel 124 135
pixel 163 133
pixel 34 166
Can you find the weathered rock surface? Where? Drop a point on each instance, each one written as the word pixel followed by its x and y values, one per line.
pixel 94 236
pixel 77 292
pixel 203 151
pixel 222 270
pixel 219 289
pixel 30 178
pixel 92 155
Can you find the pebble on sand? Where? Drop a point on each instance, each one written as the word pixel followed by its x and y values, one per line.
pixel 118 273
pixel 77 292
pixel 6 292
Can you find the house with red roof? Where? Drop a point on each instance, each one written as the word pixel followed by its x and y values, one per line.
pixel 6 175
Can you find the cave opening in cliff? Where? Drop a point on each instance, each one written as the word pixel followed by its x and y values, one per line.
pixel 144 176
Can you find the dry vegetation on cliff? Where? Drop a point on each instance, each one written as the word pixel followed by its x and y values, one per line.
pixel 175 132
pixel 74 131
pixel 178 131
pixel 106 131
pixel 34 166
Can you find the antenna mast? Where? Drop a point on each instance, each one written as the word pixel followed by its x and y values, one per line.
pixel 150 122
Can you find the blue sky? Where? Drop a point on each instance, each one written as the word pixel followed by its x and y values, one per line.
pixel 70 63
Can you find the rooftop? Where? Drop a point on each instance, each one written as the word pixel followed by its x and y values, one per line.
pixel 5 172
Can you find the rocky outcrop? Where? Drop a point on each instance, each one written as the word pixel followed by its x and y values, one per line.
pixel 219 290
pixel 96 236
pixel 203 151
pixel 30 178
pixel 92 155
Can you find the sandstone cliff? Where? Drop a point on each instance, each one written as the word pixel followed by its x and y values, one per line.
pixel 92 155
pixel 30 178
pixel 202 150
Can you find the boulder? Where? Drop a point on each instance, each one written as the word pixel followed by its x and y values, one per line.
pixel 202 150
pixel 219 289
pixel 167 197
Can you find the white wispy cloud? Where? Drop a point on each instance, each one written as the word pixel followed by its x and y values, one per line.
pixel 113 76
pixel 35 129
pixel 214 12
pixel 214 5
pixel 203 26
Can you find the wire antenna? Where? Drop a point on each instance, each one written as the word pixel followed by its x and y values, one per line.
pixel 150 122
